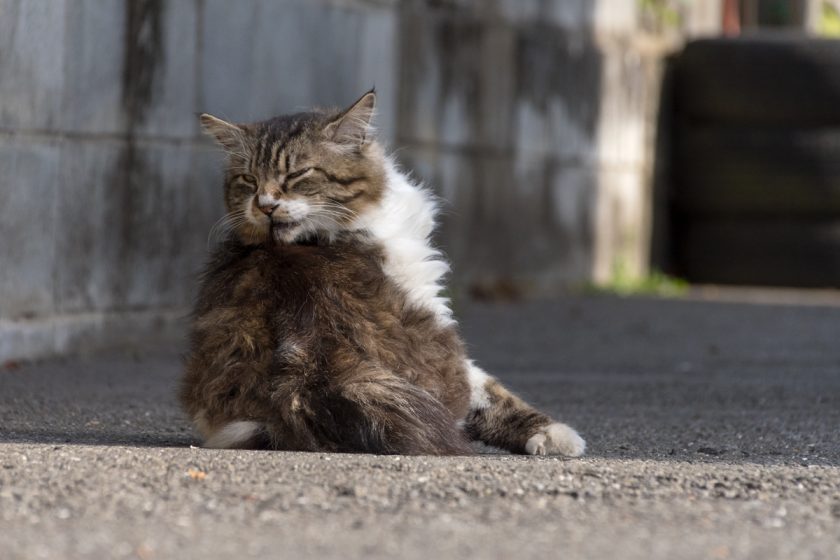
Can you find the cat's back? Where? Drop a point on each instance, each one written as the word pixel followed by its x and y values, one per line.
pixel 273 310
pixel 286 283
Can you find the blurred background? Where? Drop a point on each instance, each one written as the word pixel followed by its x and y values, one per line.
pixel 623 145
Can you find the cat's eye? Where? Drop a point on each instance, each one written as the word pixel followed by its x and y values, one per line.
pixel 298 173
pixel 248 181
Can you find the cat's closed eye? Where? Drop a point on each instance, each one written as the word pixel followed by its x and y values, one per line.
pixel 298 173
pixel 306 186
pixel 247 180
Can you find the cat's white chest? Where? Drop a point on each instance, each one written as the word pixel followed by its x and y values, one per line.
pixel 403 223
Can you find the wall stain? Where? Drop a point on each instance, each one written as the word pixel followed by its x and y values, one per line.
pixel 142 57
pixel 555 64
pixel 135 178
pixel 490 67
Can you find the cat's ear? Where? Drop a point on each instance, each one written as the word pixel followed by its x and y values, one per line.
pixel 353 126
pixel 230 136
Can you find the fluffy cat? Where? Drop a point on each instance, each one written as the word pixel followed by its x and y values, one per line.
pixel 319 324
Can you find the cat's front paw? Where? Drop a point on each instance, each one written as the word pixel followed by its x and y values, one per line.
pixel 556 439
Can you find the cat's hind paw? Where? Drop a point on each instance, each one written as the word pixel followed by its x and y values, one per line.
pixel 556 439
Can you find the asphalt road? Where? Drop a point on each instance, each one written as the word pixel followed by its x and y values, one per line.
pixel 713 432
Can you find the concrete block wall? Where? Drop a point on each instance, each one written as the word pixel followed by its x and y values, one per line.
pixel 107 190
pixel 531 118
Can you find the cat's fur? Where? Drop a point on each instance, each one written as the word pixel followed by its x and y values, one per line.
pixel 319 324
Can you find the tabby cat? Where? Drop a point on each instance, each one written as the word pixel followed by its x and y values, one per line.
pixel 319 324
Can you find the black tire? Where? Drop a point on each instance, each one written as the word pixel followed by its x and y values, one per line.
pixel 801 254
pixel 759 172
pixel 762 81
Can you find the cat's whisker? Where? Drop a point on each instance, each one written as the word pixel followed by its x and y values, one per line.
pixel 225 225
pixel 329 212
pixel 339 209
pixel 335 209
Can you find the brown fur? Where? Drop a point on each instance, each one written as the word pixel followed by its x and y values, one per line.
pixel 316 343
pixel 507 423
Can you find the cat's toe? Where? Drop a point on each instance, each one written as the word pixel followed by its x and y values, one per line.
pixel 556 439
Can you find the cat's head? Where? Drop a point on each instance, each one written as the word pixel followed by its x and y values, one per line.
pixel 299 176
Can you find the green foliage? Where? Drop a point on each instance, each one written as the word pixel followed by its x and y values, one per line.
pixel 656 283
pixel 829 25
pixel 665 13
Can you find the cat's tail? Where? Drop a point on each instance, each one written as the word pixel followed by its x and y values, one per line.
pixel 375 412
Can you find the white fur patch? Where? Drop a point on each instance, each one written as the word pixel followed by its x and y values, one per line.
pixel 402 223
pixel 297 210
pixel 232 435
pixel 556 439
pixel 266 200
pixel 478 386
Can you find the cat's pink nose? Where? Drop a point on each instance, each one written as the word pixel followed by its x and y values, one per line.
pixel 267 210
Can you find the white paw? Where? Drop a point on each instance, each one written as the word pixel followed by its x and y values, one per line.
pixel 556 439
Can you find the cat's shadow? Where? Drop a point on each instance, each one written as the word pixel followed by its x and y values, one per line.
pixel 95 438
pixel 186 440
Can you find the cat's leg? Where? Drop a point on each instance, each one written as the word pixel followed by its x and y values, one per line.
pixel 501 419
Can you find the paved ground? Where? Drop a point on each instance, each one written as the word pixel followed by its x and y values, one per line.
pixel 713 432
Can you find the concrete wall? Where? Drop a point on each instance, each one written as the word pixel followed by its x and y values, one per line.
pixel 531 118
pixel 536 121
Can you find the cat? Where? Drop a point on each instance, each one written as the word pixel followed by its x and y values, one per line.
pixel 319 324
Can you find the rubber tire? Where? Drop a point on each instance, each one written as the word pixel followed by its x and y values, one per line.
pixel 757 172
pixel 781 80
pixel 800 254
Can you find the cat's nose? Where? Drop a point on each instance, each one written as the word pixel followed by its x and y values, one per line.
pixel 267 209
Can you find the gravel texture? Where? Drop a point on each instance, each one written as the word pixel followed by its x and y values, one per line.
pixel 713 431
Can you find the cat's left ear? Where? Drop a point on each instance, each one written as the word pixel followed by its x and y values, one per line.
pixel 228 135
pixel 353 126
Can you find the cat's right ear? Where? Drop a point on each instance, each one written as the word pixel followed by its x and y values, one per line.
pixel 230 136
pixel 351 128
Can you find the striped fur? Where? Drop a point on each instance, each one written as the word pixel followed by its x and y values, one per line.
pixel 319 323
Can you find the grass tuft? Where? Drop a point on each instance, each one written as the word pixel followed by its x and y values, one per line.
pixel 655 283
